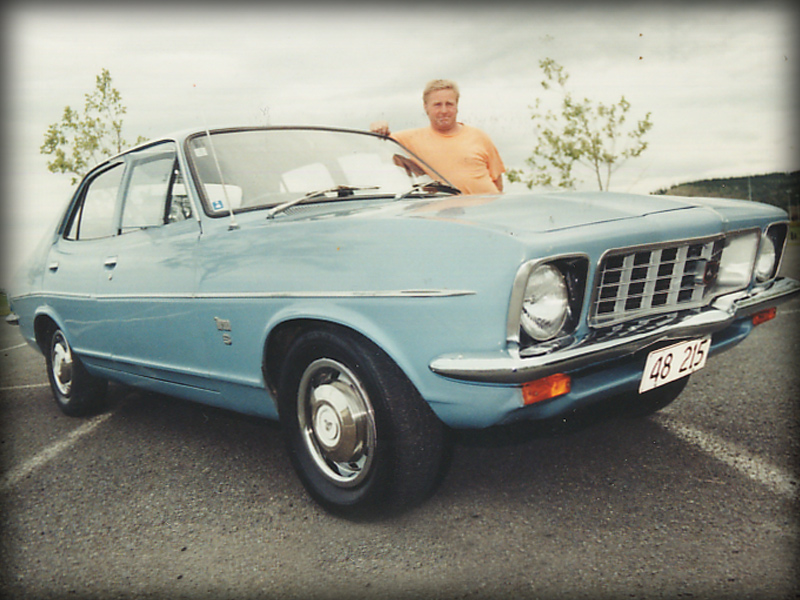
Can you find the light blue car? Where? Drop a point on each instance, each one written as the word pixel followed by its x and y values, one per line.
pixel 330 279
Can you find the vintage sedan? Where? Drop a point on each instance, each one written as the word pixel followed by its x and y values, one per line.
pixel 331 280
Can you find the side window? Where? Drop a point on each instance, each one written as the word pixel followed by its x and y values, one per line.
pixel 95 217
pixel 179 207
pixel 150 195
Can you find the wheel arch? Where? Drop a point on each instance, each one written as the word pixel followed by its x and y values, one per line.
pixel 282 335
pixel 44 325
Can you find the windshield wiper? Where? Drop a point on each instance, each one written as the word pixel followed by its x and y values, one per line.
pixel 431 187
pixel 341 190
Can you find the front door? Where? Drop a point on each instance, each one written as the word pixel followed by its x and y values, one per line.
pixel 146 292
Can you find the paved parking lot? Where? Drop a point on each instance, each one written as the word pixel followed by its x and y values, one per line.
pixel 161 498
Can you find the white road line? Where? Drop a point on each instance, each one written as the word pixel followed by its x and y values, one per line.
pixel 50 452
pixel 751 466
pixel 22 345
pixel 27 386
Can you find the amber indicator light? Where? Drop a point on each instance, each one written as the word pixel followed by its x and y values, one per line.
pixel 546 388
pixel 764 316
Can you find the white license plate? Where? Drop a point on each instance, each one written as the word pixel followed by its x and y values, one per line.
pixel 673 362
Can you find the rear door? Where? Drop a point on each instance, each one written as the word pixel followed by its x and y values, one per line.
pixel 75 263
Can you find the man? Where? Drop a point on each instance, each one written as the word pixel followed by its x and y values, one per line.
pixel 464 155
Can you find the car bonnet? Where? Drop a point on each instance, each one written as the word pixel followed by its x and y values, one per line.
pixel 545 212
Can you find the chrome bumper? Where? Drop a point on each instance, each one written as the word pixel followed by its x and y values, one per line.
pixel 511 368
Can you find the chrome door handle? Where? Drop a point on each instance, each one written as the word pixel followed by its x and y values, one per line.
pixel 53 266
pixel 110 262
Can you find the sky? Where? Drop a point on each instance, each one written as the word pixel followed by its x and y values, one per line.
pixel 717 77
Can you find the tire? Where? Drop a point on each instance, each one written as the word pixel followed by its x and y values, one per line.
pixel 360 437
pixel 642 405
pixel 76 393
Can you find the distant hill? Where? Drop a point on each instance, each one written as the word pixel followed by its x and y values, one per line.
pixel 778 189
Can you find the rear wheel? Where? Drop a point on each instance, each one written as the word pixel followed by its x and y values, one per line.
pixel 360 437
pixel 76 392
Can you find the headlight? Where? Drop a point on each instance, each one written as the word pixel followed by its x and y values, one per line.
pixel 736 264
pixel 770 251
pixel 767 257
pixel 545 303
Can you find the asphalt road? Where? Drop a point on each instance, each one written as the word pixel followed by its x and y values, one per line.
pixel 161 498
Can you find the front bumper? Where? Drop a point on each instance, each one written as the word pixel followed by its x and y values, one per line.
pixel 511 368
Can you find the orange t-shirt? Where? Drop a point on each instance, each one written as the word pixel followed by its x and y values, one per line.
pixel 468 159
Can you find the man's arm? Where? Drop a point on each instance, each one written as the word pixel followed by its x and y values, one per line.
pixel 499 182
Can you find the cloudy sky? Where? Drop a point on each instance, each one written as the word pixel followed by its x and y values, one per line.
pixel 719 78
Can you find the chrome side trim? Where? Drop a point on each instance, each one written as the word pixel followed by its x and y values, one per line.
pixel 353 294
pixel 510 368
pixel 432 293
pixel 67 295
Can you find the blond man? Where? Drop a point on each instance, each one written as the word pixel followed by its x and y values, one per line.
pixel 464 155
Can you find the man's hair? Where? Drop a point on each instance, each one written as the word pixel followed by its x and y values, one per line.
pixel 439 84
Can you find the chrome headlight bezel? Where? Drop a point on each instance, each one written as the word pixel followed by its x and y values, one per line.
pixel 770 252
pixel 545 303
pixel 766 259
pixel 566 273
pixel 736 263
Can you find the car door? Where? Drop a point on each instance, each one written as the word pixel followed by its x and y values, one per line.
pixel 149 268
pixel 75 263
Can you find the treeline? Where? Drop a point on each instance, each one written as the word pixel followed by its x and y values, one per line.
pixel 778 189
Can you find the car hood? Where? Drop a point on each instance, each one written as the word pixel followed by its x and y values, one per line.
pixel 545 212
pixel 558 218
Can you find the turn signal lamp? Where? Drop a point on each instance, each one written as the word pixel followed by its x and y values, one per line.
pixel 546 388
pixel 764 316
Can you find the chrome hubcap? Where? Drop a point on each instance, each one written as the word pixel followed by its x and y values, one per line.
pixel 336 421
pixel 62 366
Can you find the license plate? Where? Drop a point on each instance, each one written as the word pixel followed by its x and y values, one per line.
pixel 673 362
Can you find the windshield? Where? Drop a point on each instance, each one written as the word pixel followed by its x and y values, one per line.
pixel 260 168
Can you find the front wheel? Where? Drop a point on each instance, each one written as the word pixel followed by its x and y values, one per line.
pixel 76 392
pixel 360 437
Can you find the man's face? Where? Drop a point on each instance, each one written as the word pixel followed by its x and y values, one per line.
pixel 442 109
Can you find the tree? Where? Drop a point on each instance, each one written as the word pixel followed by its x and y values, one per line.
pixel 79 141
pixel 594 135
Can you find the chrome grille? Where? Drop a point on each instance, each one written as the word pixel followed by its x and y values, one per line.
pixel 637 282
